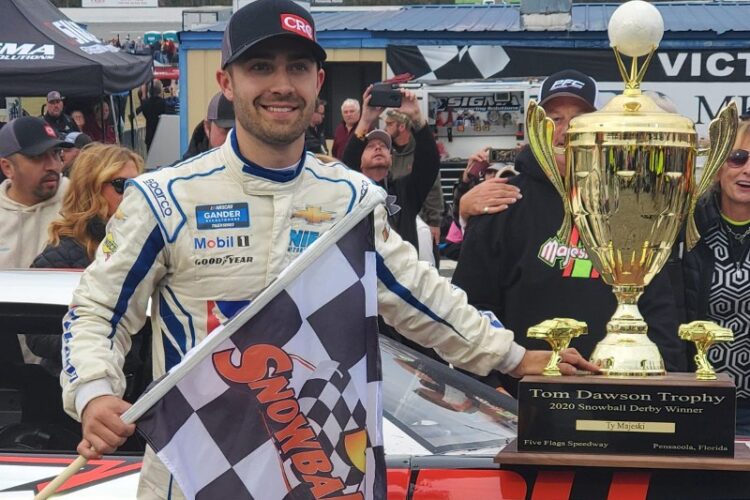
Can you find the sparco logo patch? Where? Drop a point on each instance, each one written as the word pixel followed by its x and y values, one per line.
pixel 296 24
pixel 161 199
pixel 11 51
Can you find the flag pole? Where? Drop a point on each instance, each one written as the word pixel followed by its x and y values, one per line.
pixel 52 486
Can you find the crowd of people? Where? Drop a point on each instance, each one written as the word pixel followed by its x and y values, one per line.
pixel 74 199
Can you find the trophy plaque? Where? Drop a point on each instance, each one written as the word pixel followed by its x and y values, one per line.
pixel 629 185
pixel 671 415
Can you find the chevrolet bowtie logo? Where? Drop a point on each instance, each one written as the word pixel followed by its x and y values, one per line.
pixel 313 215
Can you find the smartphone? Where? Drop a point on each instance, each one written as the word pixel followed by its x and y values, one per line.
pixel 385 95
pixel 502 155
pixel 477 169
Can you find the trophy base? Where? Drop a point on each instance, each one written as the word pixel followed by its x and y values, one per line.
pixel 628 355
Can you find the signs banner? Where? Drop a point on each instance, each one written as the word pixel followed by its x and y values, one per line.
pixel 698 82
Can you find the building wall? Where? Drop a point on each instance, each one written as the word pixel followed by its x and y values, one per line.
pixel 201 85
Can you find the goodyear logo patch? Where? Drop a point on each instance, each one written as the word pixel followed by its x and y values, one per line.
pixel 227 215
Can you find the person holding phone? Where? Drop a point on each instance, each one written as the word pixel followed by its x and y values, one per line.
pixel 411 190
pixel 479 192
pixel 483 188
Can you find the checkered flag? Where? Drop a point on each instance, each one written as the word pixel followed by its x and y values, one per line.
pixel 282 402
pixel 441 62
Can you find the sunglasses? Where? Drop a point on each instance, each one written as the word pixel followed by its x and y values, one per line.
pixel 118 184
pixel 738 157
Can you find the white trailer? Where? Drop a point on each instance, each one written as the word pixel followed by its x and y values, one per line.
pixel 470 115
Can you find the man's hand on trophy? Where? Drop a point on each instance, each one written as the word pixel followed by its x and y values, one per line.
pixel 571 363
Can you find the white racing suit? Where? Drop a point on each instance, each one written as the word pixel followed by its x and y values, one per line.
pixel 203 238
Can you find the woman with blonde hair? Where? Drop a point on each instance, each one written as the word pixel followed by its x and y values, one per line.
pixel 97 183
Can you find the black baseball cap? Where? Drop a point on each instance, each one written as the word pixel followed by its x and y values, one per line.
pixel 29 136
pixel 220 111
pixel 265 19
pixel 570 83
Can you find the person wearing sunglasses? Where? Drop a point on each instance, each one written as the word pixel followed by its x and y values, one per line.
pixel 97 182
pixel 716 271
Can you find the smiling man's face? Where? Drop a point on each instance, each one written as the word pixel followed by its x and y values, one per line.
pixel 274 90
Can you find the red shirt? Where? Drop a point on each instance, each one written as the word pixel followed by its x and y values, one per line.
pixel 340 137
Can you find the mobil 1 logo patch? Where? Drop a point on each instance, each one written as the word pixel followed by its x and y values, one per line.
pixel 224 216
pixel 203 243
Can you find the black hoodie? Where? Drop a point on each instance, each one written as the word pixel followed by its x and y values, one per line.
pixel 412 189
pixel 512 264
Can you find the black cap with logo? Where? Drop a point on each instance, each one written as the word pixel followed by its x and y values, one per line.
pixel 264 19
pixel 570 83
pixel 29 136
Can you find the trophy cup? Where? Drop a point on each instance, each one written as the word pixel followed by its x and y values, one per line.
pixel 629 185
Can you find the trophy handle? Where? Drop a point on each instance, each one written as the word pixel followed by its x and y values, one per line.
pixel 557 333
pixel 722 132
pixel 704 334
pixel 540 131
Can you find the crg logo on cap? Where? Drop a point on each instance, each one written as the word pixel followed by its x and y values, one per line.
pixel 565 83
pixel 49 131
pixel 296 24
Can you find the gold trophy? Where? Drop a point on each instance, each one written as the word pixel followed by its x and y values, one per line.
pixel 629 185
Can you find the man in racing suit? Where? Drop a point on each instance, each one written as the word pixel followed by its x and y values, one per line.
pixel 203 238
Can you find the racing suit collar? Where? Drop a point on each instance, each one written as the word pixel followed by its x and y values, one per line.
pixel 270 174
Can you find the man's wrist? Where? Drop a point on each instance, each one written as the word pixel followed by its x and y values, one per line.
pixel 90 390
pixel 513 359
pixel 418 123
pixel 361 130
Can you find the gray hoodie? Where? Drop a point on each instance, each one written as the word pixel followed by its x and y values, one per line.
pixel 23 229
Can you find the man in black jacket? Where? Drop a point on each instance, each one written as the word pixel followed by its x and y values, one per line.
pixel 410 191
pixel 212 132
pixel 512 263
pixel 54 115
